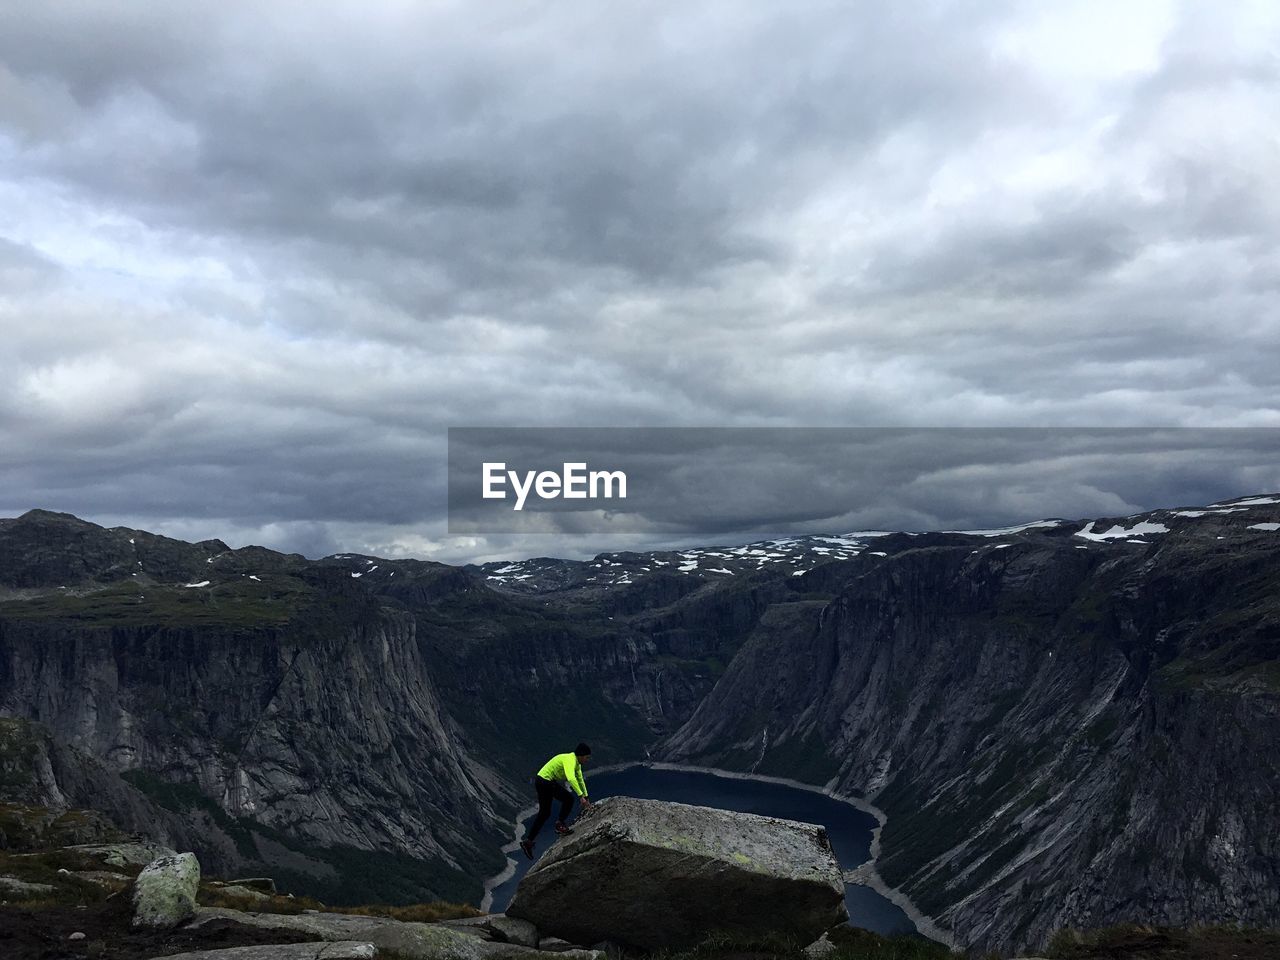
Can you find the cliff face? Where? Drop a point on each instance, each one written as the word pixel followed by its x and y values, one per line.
pixel 1059 736
pixel 288 720
pixel 335 722
pixel 1067 724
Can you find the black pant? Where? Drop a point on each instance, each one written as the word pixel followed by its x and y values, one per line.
pixel 547 792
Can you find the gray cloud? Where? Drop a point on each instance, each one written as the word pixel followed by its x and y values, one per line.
pixel 255 258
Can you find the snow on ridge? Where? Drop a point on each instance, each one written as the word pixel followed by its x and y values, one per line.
pixel 1264 526
pixel 1005 531
pixel 1250 501
pixel 202 583
pixel 1117 531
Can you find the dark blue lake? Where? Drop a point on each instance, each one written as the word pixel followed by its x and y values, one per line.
pixel 849 828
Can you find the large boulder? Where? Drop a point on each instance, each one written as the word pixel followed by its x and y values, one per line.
pixel 650 875
pixel 164 894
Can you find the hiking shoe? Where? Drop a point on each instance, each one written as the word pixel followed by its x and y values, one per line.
pixel 527 847
pixel 563 829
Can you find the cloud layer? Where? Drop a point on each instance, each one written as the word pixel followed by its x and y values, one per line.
pixel 255 258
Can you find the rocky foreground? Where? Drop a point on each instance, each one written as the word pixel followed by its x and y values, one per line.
pixel 637 874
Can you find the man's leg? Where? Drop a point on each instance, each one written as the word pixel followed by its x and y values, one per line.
pixel 546 792
pixel 566 799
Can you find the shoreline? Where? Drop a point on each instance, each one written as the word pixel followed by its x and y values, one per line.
pixel 865 875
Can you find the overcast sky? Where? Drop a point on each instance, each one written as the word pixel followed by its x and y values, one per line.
pixel 255 258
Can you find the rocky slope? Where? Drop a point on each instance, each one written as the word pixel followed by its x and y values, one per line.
pixel 1063 731
pixel 1067 723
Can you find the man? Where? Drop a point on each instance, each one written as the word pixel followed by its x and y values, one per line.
pixel 563 767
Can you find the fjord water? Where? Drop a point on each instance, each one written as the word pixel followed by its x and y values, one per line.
pixel 849 828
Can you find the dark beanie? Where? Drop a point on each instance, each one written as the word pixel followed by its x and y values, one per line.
pixel 582 750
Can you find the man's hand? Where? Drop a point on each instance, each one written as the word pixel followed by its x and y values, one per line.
pixel 586 804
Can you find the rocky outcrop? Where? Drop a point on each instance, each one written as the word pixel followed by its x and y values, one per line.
pixel 47 785
pixel 653 875
pixel 513 930
pixel 320 950
pixel 417 941
pixel 139 853
pixel 27 827
pixel 164 893
pixel 13 887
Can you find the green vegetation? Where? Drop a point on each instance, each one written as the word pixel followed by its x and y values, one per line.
pixel 214 895
pixel 1101 730
pixel 43 867
pixel 1001 704
pixel 1219 671
pixel 417 912
pixel 921 828
pixel 18 747
pixel 184 797
pixel 566 713
pixel 805 760
pixel 25 827
pixel 240 602
pixel 378 875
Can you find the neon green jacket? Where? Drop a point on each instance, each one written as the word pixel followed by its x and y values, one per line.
pixel 565 766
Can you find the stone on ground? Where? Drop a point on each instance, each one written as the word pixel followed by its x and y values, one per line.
pixel 12 886
pixel 236 890
pixel 653 875
pixel 164 893
pixel 822 947
pixel 513 930
pixel 265 884
pixel 138 853
pixel 321 950
pixel 106 878
pixel 412 940
pixel 555 945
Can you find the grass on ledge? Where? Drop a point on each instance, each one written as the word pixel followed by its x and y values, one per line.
pixel 214 896
pixel 850 943
pixel 1136 942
